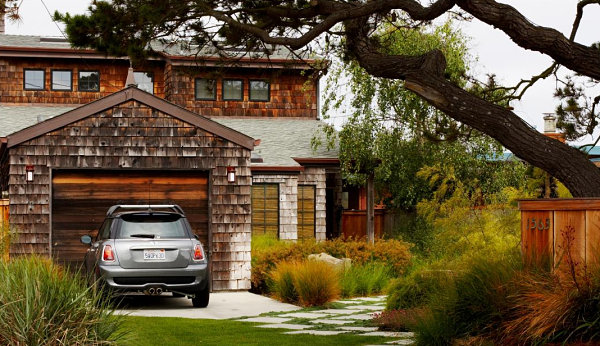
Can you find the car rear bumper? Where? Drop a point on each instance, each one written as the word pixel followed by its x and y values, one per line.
pixel 184 280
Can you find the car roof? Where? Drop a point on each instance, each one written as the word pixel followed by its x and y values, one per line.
pixel 145 213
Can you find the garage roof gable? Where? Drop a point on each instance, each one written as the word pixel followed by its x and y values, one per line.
pixel 128 94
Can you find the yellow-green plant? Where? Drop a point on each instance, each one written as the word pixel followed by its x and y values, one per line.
pixel 43 304
pixel 308 283
pixel 7 235
pixel 317 283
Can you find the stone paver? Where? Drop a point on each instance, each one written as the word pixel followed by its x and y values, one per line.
pixel 381 333
pixel 266 319
pixel 326 321
pixel 285 326
pixel 367 307
pixel 347 301
pixel 373 299
pixel 406 334
pixel 304 315
pixel 359 329
pixel 319 332
pixel 355 317
pixel 336 311
pixel 333 321
pixel 401 342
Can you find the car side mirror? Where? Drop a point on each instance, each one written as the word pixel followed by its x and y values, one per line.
pixel 86 239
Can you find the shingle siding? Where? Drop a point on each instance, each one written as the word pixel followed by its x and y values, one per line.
pixel 133 135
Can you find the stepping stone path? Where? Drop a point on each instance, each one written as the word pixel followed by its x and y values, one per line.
pixel 348 319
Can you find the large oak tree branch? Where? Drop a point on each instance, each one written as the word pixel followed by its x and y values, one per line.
pixel 575 56
pixel 424 76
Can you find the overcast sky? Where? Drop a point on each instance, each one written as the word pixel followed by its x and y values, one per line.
pixel 494 50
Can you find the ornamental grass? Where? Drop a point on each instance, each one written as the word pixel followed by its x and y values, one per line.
pixel 43 304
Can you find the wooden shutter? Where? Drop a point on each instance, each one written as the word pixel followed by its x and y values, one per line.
pixel 265 209
pixel 306 212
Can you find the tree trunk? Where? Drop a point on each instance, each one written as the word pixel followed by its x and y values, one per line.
pixel 371 209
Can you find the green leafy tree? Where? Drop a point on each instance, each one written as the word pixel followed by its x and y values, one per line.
pixel 128 26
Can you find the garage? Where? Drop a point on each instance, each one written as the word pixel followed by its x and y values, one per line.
pixel 130 148
pixel 80 199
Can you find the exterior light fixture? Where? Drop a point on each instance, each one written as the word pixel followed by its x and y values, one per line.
pixel 231 174
pixel 29 173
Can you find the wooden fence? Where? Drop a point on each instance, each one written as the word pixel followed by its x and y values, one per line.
pixel 3 228
pixel 354 223
pixel 557 231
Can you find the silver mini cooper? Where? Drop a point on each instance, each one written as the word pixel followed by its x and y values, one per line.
pixel 150 249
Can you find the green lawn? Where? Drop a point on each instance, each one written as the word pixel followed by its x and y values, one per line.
pixel 181 331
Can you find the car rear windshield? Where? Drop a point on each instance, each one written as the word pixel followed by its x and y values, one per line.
pixel 152 227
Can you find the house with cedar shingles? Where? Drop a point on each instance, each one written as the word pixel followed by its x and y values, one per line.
pixel 229 141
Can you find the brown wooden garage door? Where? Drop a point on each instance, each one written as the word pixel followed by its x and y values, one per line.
pixel 81 198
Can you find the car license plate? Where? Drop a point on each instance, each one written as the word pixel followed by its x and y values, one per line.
pixel 150 254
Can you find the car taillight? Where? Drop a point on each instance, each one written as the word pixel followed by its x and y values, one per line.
pixel 108 254
pixel 198 253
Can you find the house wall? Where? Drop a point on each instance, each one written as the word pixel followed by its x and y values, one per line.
pixel 113 74
pixel 132 135
pixel 288 200
pixel 292 94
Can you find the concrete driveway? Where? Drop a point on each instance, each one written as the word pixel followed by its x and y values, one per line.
pixel 222 305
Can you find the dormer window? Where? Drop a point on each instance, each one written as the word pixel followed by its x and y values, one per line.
pixel 233 89
pixel 206 89
pixel 62 80
pixel 34 79
pixel 144 81
pixel 89 81
pixel 259 90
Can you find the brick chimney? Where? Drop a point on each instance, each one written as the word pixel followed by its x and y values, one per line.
pixel 550 127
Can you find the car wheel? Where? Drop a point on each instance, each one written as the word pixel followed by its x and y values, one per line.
pixel 201 298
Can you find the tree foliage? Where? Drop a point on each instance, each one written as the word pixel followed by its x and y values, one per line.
pixel 128 26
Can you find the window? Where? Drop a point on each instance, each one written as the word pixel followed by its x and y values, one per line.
pixel 265 209
pixel 233 89
pixel 259 90
pixel 34 79
pixel 89 81
pixel 61 80
pixel 144 81
pixel 206 89
pixel 104 232
pixel 306 212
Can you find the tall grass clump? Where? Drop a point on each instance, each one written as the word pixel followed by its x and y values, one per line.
pixel 364 279
pixel 317 283
pixel 308 283
pixel 475 303
pixel 281 283
pixel 42 304
pixel 415 289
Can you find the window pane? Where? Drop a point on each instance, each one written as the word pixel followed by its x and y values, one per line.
pixel 34 79
pixel 144 81
pixel 61 80
pixel 265 209
pixel 89 81
pixel 206 89
pixel 259 90
pixel 232 89
pixel 306 212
